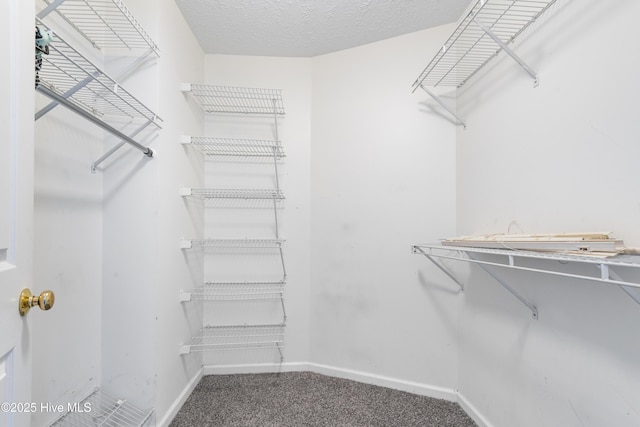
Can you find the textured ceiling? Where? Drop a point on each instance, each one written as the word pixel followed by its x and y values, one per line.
pixel 308 27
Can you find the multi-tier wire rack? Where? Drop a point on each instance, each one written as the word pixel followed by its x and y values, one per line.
pixel 488 28
pixel 248 335
pixel 69 78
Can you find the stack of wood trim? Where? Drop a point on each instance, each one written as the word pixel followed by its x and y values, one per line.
pixel 582 243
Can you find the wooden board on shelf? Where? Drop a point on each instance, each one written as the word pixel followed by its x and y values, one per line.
pixel 584 243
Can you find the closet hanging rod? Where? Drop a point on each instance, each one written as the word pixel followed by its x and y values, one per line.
pixel 70 105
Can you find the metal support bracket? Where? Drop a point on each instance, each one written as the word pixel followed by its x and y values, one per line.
pixel 284 310
pixel 608 274
pixel 47 10
pixel 534 310
pixel 510 52
pixel 284 269
pixel 106 155
pixel 440 266
pixel 64 101
pixel 445 106
pixel 67 95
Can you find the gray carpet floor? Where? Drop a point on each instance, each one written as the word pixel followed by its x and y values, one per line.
pixel 309 399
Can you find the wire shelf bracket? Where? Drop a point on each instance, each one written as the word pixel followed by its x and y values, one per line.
pixel 417 249
pixel 445 106
pixel 489 27
pixel 105 156
pixel 509 51
pixel 73 107
pixel 605 266
pixel 534 310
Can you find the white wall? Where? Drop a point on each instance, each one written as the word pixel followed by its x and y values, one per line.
pixel 378 175
pixel 382 178
pixel 293 76
pixel 67 255
pixel 557 158
pixel 182 60
pixel 130 248
pixel 144 269
pixel 108 243
pixel 370 169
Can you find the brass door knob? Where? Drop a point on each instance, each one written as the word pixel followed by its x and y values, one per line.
pixel 27 300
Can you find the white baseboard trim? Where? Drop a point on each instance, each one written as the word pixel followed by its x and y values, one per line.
pixel 258 368
pixel 182 397
pixel 472 411
pixel 389 382
pixel 421 389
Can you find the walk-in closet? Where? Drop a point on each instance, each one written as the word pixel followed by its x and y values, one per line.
pixel 319 213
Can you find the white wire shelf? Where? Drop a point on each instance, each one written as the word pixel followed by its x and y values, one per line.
pixel 239 291
pixel 105 410
pixel 68 78
pixel 233 243
pixel 105 23
pixel 237 337
pixel 235 147
pixel 238 100
pixel 603 267
pixel 254 194
pixel 69 74
pixel 472 44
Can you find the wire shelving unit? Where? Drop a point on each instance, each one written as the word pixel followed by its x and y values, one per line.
pixel 105 23
pixel 603 268
pixel 102 409
pixel 487 29
pixel 253 102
